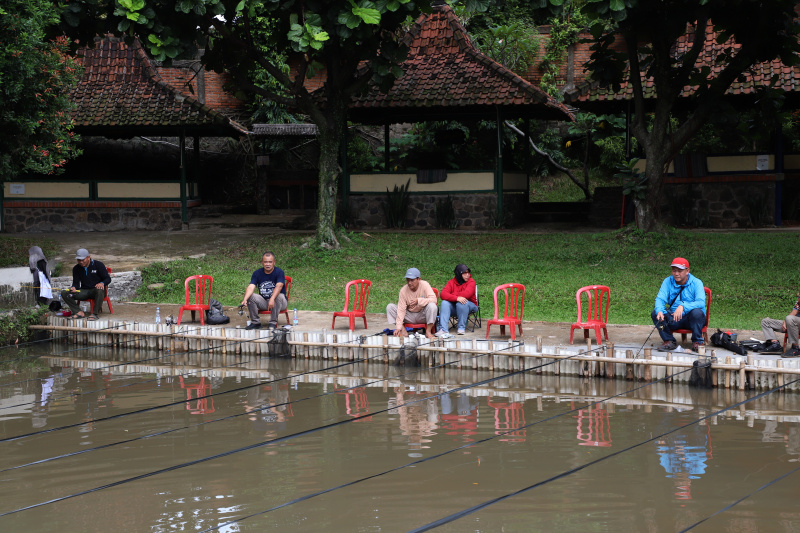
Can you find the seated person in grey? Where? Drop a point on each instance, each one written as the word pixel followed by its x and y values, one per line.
pixel 89 282
pixel 789 325
pixel 271 295
pixel 416 304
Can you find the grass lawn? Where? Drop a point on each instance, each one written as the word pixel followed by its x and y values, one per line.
pixel 14 250
pixel 750 273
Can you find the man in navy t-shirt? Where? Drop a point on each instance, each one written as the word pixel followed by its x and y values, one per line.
pixel 267 291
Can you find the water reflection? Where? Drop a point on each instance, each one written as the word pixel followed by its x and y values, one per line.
pixel 655 487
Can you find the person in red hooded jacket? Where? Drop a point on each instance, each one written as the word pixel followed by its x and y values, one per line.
pixel 457 296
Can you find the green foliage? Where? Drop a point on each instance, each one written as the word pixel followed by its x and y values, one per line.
pixel 14 325
pixel 634 182
pixel 740 266
pixel 36 76
pixel 514 45
pixel 445 214
pixel 395 208
pixel 564 32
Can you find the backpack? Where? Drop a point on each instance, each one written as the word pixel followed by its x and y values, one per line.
pixel 214 315
pixel 723 340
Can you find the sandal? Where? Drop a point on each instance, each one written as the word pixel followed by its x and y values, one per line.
pixel 92 318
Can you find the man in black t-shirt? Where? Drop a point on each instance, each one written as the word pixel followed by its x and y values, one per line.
pixel 89 282
pixel 271 294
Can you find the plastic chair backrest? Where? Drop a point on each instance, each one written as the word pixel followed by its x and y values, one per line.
pixel 599 298
pixel 361 296
pixel 708 303
pixel 514 300
pixel 202 289
pixel 288 286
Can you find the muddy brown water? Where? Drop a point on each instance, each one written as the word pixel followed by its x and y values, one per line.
pixel 100 440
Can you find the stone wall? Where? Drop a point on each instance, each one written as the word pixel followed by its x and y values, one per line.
pixel 123 284
pixel 719 205
pixel 45 219
pixel 473 211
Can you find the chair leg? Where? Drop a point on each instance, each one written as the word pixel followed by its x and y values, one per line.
pixel 598 336
pixel 571 334
pixel 606 332
pixel 683 337
pixel 365 322
pixel 110 309
pixel 333 324
pixel 352 323
pixel 180 315
pixel 520 330
pixel 488 327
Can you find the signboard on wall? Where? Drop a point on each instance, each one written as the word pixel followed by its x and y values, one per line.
pixel 17 188
pixel 762 162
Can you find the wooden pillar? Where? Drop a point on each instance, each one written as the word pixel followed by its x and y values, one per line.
pixel 184 205
pixel 498 171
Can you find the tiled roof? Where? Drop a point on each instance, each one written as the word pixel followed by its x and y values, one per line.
pixel 446 74
pixel 121 94
pixel 285 130
pixel 758 76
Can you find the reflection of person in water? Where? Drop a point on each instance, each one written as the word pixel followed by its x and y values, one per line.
pixel 417 420
pixel 267 407
pixel 40 409
pixel 463 420
pixel 684 456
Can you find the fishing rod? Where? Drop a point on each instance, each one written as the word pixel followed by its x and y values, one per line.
pixel 475 508
pixel 236 415
pixel 438 455
pixel 280 439
pixel 740 500
pixel 161 406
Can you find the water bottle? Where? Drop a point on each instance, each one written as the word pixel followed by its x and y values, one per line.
pixel 294 319
pixel 158 315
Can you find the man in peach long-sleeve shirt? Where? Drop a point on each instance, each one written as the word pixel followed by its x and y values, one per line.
pixel 416 305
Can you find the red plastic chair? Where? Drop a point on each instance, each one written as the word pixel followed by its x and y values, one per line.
pixel 685 332
pixel 515 301
pixel 202 297
pixel 285 311
pixel 599 300
pixel 106 300
pixel 423 326
pixel 360 299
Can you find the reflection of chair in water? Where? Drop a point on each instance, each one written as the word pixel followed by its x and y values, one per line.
pixel 201 405
pixel 594 429
pixel 356 403
pixel 508 416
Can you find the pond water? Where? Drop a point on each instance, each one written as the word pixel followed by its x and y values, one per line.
pixel 100 440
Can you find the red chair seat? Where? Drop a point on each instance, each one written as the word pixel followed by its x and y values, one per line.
pixel 599 300
pixel 685 332
pixel 360 300
pixel 285 311
pixel 202 297
pixel 514 294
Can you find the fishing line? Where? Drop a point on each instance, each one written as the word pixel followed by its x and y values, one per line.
pixel 740 500
pixel 475 508
pixel 141 437
pixel 442 454
pixel 251 446
pixel 49 339
pixel 172 404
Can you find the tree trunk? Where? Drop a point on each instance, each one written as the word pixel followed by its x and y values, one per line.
pixel 330 142
pixel 648 206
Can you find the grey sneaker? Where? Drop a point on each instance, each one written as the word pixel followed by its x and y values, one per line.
pixel 462 332
pixel 442 333
pixel 668 346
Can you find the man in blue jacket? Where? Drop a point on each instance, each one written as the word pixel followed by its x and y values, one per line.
pixel 680 304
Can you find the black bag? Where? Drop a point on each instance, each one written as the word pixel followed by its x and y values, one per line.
pixel 214 315
pixel 279 344
pixel 701 373
pixel 723 340
pixel 407 356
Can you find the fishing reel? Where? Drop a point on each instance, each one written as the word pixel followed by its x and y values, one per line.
pixel 241 310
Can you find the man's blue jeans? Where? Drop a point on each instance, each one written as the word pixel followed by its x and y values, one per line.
pixel 693 320
pixel 462 311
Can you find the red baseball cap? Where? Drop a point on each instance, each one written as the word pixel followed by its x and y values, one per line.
pixel 680 262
